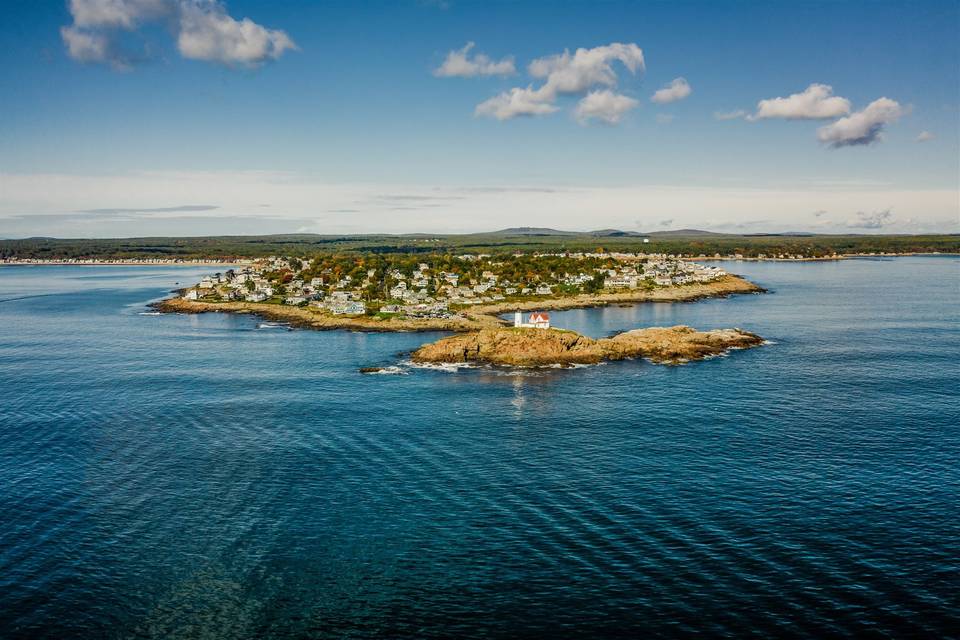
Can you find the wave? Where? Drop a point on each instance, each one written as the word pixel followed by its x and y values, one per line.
pixel 446 367
pixel 273 325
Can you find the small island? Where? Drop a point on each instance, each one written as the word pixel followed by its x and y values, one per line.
pixel 536 347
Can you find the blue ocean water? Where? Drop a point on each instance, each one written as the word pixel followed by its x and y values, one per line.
pixel 197 476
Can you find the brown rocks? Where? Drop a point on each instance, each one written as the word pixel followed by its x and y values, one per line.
pixel 544 347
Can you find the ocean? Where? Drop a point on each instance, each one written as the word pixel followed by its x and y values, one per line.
pixel 212 476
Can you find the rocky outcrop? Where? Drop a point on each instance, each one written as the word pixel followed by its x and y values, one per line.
pixel 539 347
pixel 672 345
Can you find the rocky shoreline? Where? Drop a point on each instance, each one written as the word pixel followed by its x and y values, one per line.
pixel 516 347
pixel 474 318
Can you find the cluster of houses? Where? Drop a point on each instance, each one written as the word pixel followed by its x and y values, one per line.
pixel 662 272
pixel 427 292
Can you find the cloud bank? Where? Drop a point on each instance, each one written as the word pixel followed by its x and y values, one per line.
pixel 875 220
pixel 48 204
pixel 203 30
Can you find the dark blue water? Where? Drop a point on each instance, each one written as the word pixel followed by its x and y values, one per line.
pixel 195 476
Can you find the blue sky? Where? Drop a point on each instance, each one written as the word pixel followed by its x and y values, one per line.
pixel 331 117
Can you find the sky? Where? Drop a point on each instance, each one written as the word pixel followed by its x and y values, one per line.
pixel 127 118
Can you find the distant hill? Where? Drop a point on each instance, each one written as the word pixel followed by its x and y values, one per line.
pixel 615 233
pixel 531 231
pixel 686 233
pixel 600 233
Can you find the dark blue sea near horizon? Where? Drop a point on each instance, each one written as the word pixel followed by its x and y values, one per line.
pixel 174 476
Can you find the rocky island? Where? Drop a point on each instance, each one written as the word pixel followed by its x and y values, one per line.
pixel 521 347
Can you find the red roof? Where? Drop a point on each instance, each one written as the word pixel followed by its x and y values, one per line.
pixel 540 316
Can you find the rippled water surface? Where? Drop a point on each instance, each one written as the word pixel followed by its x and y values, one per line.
pixel 198 476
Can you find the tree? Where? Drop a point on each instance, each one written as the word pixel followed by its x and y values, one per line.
pixel 594 284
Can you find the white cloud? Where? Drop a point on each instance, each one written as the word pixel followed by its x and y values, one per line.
pixel 84 46
pixel 863 127
pixel 564 74
pixel 203 29
pixel 730 115
pixel 513 103
pixel 574 74
pixel 123 14
pixel 459 64
pixel 605 105
pixel 875 220
pixel 816 102
pixel 925 136
pixel 678 89
pixel 208 33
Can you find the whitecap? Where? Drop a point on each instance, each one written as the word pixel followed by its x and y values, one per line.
pixel 447 367
pixel 391 370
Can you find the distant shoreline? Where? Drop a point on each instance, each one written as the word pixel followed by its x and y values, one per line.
pixel 841 256
pixel 235 262
pixel 122 263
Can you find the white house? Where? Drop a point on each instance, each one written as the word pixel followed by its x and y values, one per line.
pixel 349 308
pixel 537 320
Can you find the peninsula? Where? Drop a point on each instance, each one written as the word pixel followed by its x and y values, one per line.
pixel 442 292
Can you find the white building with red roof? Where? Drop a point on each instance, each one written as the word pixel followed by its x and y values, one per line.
pixel 536 320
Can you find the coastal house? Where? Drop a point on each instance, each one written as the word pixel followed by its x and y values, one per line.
pixel 620 282
pixel 351 308
pixel 536 320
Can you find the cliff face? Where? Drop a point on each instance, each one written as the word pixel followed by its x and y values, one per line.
pixel 537 347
